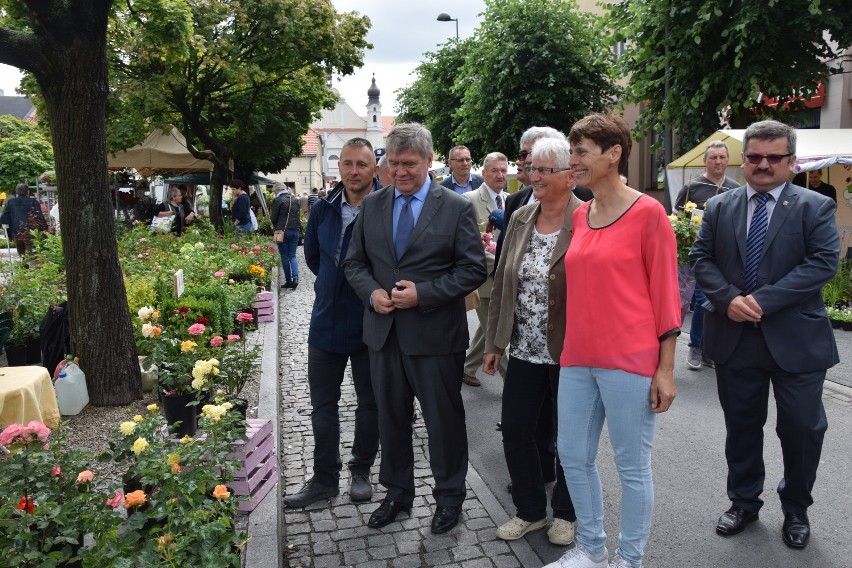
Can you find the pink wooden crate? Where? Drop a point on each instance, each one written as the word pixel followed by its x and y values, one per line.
pixel 260 453
pixel 264 486
pixel 270 311
pixel 265 295
pixel 246 485
pixel 264 304
pixel 266 318
pixel 256 432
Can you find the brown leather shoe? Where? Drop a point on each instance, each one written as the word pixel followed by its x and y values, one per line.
pixel 470 380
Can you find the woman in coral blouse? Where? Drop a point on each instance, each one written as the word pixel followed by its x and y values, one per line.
pixel 617 363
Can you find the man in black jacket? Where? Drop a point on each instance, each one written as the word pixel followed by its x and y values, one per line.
pixel 17 215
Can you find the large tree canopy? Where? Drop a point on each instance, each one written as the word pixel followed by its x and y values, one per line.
pixel 719 55
pixel 243 79
pixel 530 62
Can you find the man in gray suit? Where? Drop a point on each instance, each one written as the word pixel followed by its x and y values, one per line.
pixel 762 256
pixel 415 254
pixel 491 195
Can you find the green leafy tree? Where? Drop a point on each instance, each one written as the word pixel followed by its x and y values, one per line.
pixel 719 55
pixel 530 62
pixel 433 99
pixel 533 62
pixel 63 46
pixel 24 153
pixel 242 80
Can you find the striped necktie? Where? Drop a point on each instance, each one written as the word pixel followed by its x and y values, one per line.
pixel 754 242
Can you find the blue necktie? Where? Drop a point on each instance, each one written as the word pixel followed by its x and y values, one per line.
pixel 754 242
pixel 404 226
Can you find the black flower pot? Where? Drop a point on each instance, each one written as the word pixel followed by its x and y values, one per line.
pixel 241 406
pixel 16 355
pixel 203 397
pixel 847 326
pixel 180 408
pixel 34 351
pixel 836 323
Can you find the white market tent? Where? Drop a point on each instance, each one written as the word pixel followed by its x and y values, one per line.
pixel 815 149
pixel 161 151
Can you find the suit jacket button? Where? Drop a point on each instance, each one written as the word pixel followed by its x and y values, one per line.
pixel 550 326
pixel 396 270
pixel 552 277
pixel 552 302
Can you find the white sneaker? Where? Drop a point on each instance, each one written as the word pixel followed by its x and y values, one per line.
pixel 578 557
pixel 561 532
pixel 619 562
pixel 516 528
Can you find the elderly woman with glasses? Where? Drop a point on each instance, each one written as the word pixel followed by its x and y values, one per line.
pixel 622 322
pixel 527 316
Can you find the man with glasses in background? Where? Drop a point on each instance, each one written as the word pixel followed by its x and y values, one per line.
pixel 460 179
pixel 762 256
pixel 490 196
pixel 698 190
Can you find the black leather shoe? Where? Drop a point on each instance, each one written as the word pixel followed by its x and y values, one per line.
pixel 445 518
pixel 734 520
pixel 311 492
pixel 386 513
pixel 796 530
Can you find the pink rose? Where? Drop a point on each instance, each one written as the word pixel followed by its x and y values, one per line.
pixel 216 341
pixel 232 338
pixel 244 317
pixel 39 430
pixel 219 274
pixel 196 329
pixel 234 246
pixel 115 501
pixel 256 247
pixel 56 471
pixel 85 476
pixel 11 432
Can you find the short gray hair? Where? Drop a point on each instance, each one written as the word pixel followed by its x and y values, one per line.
pixel 538 132
pixel 173 192
pixel 22 189
pixel 552 149
pixel 383 164
pixel 716 144
pixel 357 143
pixel 770 130
pixel 494 157
pixel 411 136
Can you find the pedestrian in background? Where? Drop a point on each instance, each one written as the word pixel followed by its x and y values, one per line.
pixel 21 214
pixel 285 217
pixel 240 206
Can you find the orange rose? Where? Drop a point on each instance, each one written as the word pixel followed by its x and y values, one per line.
pixel 85 476
pixel 175 467
pixel 135 499
pixel 221 492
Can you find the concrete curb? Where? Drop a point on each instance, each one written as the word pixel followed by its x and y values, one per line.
pixel 263 550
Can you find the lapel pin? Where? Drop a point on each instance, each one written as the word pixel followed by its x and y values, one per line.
pixel 785 203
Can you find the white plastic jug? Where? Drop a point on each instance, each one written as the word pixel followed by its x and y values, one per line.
pixel 72 396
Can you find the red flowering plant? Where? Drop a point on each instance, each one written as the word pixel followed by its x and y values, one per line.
pixel 49 499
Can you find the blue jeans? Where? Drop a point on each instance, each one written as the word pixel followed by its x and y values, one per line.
pixel 287 250
pixel 696 329
pixel 587 397
pixel 243 229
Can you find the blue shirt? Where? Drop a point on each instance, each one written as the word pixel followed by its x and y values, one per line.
pixel 458 188
pixel 416 203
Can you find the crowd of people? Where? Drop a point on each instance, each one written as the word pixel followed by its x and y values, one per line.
pixel 395 253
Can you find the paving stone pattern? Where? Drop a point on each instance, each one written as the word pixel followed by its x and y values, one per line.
pixel 334 532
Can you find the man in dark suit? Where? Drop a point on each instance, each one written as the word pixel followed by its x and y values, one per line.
pixel 415 254
pixel 762 256
pixel 460 179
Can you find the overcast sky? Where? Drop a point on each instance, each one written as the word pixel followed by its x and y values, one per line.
pixel 400 33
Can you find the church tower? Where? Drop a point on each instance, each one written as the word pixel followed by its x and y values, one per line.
pixel 375 131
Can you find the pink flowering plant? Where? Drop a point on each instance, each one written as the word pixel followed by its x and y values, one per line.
pixel 49 499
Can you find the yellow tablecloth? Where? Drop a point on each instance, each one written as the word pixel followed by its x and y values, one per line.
pixel 26 393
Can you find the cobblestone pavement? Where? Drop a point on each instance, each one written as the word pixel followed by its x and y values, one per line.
pixel 337 535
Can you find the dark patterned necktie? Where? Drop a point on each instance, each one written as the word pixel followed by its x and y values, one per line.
pixel 499 200
pixel 754 242
pixel 404 226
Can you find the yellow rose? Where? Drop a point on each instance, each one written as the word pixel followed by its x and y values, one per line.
pixel 188 346
pixel 127 428
pixel 140 445
pixel 172 459
pixel 153 407
pixel 186 440
pixel 689 207
pixel 137 418
pixel 696 219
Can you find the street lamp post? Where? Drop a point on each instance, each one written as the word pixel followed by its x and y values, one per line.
pixel 444 17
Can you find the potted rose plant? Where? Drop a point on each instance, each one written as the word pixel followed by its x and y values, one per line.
pixel 685 225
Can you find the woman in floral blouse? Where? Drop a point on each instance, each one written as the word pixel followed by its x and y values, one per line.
pixel 527 315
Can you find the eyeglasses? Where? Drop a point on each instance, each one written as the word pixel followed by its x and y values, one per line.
pixel 461 160
pixel 544 171
pixel 523 155
pixel 773 159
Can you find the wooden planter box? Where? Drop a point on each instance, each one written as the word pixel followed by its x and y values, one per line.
pixel 259 473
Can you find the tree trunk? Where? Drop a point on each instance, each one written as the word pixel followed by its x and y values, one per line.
pixel 75 91
pixel 218 179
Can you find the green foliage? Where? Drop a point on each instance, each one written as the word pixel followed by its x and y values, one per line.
pixel 24 152
pixel 718 55
pixel 531 62
pixel 838 290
